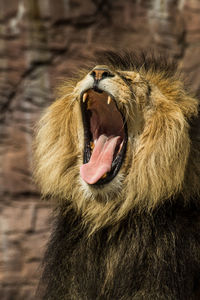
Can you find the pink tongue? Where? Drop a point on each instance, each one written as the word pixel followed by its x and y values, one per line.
pixel 101 159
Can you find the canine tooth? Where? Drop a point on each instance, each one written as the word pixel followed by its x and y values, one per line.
pixel 104 175
pixel 84 97
pixel 92 145
pixel 109 99
pixel 120 147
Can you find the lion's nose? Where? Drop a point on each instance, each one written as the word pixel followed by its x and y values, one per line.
pixel 101 73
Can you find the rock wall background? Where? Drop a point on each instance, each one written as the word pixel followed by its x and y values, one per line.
pixel 42 41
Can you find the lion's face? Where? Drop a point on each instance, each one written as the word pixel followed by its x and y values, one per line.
pixel 117 140
pixel 107 97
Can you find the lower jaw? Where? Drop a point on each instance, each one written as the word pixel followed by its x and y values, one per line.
pixel 116 165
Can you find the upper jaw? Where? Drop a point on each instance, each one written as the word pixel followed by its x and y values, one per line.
pixel 110 96
pixel 99 85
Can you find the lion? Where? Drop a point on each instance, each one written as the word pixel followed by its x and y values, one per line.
pixel 117 154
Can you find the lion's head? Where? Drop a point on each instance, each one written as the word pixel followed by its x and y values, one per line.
pixel 118 140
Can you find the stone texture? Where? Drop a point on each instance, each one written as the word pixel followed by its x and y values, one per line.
pixel 42 42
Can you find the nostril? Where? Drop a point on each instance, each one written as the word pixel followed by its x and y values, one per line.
pixel 93 74
pixel 99 74
pixel 105 75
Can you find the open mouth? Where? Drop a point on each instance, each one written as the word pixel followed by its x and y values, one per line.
pixel 105 137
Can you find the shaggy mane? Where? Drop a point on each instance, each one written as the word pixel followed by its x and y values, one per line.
pixel 137 235
pixel 162 163
pixel 131 61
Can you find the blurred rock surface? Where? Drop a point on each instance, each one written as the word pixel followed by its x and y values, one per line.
pixel 42 42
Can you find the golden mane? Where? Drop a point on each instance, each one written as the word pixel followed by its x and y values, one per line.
pixel 161 161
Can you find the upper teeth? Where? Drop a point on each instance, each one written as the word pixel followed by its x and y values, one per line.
pixel 109 99
pixel 104 175
pixel 84 97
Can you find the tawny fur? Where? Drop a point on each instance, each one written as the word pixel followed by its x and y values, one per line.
pixel 136 237
pixel 158 155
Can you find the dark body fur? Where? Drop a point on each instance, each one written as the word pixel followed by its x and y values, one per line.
pixel 155 257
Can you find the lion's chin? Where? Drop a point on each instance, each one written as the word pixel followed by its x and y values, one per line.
pixel 105 137
pixel 103 193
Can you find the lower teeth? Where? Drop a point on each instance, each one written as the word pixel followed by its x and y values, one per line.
pixel 104 176
pixel 91 145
